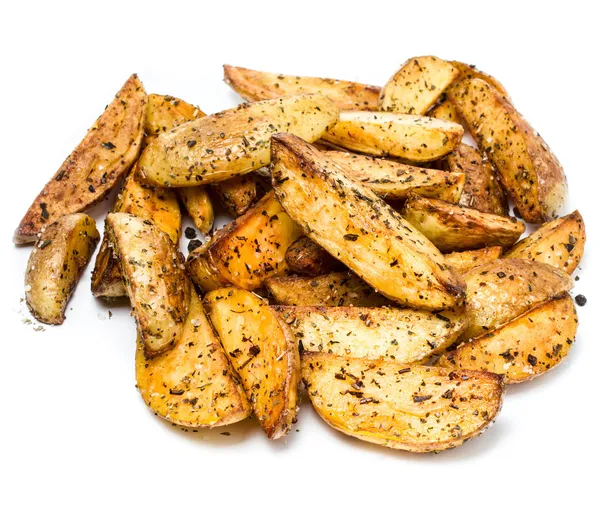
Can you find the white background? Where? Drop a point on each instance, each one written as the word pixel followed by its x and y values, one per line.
pixel 76 438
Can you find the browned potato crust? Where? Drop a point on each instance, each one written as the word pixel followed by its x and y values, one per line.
pixel 198 206
pixel 237 194
pixel 164 112
pixel 107 152
pixel 464 261
pixel 308 258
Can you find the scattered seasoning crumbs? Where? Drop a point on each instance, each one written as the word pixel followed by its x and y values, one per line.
pixel 580 300
pixel 190 233
pixel 226 433
pixel 192 245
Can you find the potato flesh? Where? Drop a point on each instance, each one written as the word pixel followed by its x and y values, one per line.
pixel 164 112
pixel 445 110
pixel 199 207
pixel 471 72
pixel 464 261
pixel 237 194
pixel 308 258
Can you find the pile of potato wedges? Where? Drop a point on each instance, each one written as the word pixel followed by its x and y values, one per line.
pixel 371 262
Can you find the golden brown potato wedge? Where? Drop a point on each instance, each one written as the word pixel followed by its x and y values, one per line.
pixel 417 85
pixel 193 384
pixel 471 72
pixel 529 172
pixel 402 406
pixel 56 263
pixel 237 194
pixel 412 137
pixel 464 261
pixel 247 250
pixel 253 85
pixel 445 110
pixel 232 142
pixel 308 258
pixel 199 207
pixel 164 112
pixel 262 351
pixel 559 243
pixel 404 335
pixel 524 348
pixel 154 278
pixel 359 229
pixel 502 290
pixel 453 228
pixel 106 153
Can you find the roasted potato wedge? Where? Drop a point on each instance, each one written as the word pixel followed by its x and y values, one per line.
pixel 559 243
pixel 232 142
pixel 412 137
pixel 464 261
pixel 308 258
pixel 193 384
pixel 502 290
pixel 246 251
pixel 529 172
pixel 198 206
pixel 402 406
pixel 445 110
pixel 359 229
pixel 524 348
pixel 453 228
pixel 262 351
pixel 154 278
pixel 404 335
pixel 164 112
pixel 471 72
pixel 253 85
pixel 55 265
pixel 237 194
pixel 417 85
pixel 108 150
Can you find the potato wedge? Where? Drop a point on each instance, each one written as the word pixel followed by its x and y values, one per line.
pixel 193 384
pixel 237 194
pixel 253 85
pixel 502 290
pixel 445 110
pixel 308 258
pixel 164 112
pixel 232 142
pixel 417 85
pixel 246 251
pixel 108 150
pixel 453 228
pixel 559 243
pixel 464 261
pixel 408 407
pixel 404 335
pixel 154 278
pixel 471 72
pixel 393 180
pixel 359 229
pixel 529 172
pixel 198 206
pixel 262 351
pixel 55 265
pixel 524 348
pixel 413 137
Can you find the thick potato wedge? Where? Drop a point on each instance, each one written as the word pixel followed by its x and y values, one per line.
pixel 154 278
pixel 404 335
pixel 471 72
pixel 55 265
pixel 308 258
pixel 359 229
pixel 417 85
pixel 502 290
pixel 232 142
pixel 524 348
pixel 262 351
pixel 393 180
pixel 193 384
pixel 529 172
pixel 237 194
pixel 452 228
pixel 464 261
pixel 412 137
pixel 247 250
pixel 402 406
pixel 253 85
pixel 106 153
pixel 198 206
pixel 164 112
pixel 559 243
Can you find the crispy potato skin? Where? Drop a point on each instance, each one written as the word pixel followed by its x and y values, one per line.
pixel 232 142
pixel 106 153
pixel 153 274
pixel 451 228
pixel 464 261
pixel 253 85
pixel 55 265
pixel 359 229
pixel 107 282
pixel 237 194
pixel 164 112
pixel 559 243
pixel 262 351
pixel 417 85
pixel 502 290
pixel 529 172
pixel 407 407
pixel 524 348
pixel 308 258
pixel 198 206
pixel 193 384
pixel 411 137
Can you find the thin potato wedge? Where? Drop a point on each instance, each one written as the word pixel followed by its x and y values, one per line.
pixel 263 353
pixel 408 407
pixel 308 258
pixel 453 228
pixel 198 206
pixel 237 194
pixel 464 261
pixel 55 265
pixel 164 112
pixel 106 153
pixel 232 142
pixel 524 348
